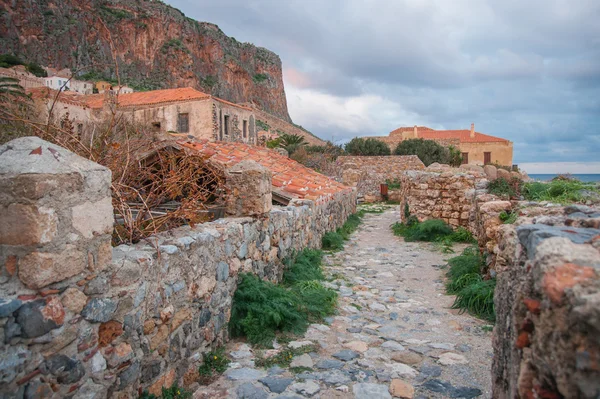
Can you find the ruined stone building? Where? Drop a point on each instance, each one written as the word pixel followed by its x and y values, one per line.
pixel 476 148
pixel 183 110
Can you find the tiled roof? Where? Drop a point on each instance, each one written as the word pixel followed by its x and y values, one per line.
pixel 67 97
pixel 289 176
pixel 463 135
pixel 96 101
pixel 402 129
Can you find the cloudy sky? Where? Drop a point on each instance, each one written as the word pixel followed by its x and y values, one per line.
pixel 528 71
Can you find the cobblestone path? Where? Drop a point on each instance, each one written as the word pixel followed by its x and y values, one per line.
pixel 395 334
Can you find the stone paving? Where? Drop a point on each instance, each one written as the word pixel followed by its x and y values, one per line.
pixel 395 334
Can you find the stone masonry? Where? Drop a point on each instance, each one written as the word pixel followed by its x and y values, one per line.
pixel 367 173
pixel 248 186
pixel 77 320
pixel 547 304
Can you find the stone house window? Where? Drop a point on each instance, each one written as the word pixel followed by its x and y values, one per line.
pixel 465 158
pixel 487 158
pixel 220 125
pixel 226 125
pixel 245 131
pixel 183 123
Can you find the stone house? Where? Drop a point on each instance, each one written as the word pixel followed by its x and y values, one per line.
pixel 476 148
pixel 81 86
pixel 101 86
pixel 183 110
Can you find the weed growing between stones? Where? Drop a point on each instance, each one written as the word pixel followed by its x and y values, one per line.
pixel 284 358
pixel 473 294
pixel 432 230
pixel 563 191
pixel 214 363
pixel 174 392
pixel 334 240
pixel 505 188
pixel 508 217
pixel 261 308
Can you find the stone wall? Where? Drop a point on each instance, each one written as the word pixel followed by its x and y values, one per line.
pixel 548 307
pixel 111 326
pixel 446 195
pixel 367 173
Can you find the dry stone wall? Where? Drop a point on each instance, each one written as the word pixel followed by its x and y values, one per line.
pixel 444 195
pixel 368 172
pixel 548 307
pixel 112 325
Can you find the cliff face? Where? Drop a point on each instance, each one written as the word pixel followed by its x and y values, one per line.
pixel 156 46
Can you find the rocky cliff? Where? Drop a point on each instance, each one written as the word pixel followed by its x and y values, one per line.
pixel 156 46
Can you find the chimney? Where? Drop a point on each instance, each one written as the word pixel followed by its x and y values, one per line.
pixel 415 133
pixel 472 130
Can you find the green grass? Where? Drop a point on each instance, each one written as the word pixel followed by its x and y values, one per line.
pixel 174 392
pixel 473 294
pixel 284 358
pixel 261 308
pixel 214 362
pixel 560 191
pixel 508 217
pixel 393 184
pixel 334 240
pixel 432 230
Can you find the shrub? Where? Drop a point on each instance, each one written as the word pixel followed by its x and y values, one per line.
pixel 367 147
pixel 429 230
pixel 304 267
pixel 263 125
pixel 261 308
pixel 332 241
pixel 473 294
pixel 561 190
pixel 462 234
pixel 477 298
pixel 508 217
pixel 393 184
pixel 214 362
pixel 291 142
pixel 505 188
pixel 174 392
pixel 260 77
pixel 428 151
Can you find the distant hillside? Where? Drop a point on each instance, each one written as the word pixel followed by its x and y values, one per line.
pixel 157 46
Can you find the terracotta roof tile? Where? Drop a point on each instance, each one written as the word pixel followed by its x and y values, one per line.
pixel 289 176
pixel 463 135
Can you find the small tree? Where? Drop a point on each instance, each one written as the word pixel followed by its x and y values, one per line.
pixel 428 151
pixel 291 142
pixel 367 147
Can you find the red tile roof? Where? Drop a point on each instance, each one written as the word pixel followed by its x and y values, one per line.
pixel 140 98
pixel 463 135
pixel 289 176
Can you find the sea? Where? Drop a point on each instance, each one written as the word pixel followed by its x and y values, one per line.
pixel 581 177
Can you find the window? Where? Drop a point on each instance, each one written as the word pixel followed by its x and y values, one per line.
pixel 245 129
pixel 226 125
pixel 156 125
pixel 487 158
pixel 465 158
pixel 183 123
pixel 220 125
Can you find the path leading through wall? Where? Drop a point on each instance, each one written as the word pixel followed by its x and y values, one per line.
pixel 395 331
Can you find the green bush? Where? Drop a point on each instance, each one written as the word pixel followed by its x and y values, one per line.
pixel 304 267
pixel 214 362
pixel 260 77
pixel 332 241
pixel 429 230
pixel 393 184
pixel 367 147
pixel 263 125
pixel 563 191
pixel 477 298
pixel 462 234
pixel 508 217
pixel 473 294
pixel 428 151
pixel 505 188
pixel 261 308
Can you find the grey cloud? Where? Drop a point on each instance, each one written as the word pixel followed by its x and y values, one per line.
pixel 525 70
